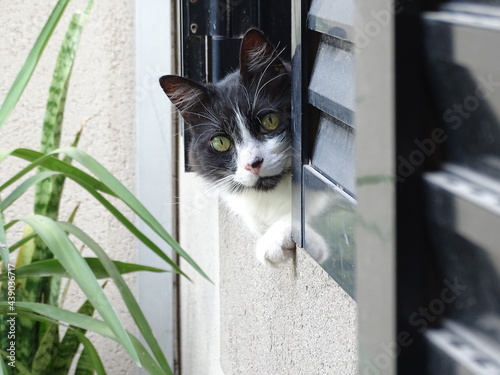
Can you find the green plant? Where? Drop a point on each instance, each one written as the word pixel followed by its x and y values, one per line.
pixel 31 292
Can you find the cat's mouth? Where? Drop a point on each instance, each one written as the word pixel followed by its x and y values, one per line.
pixel 265 183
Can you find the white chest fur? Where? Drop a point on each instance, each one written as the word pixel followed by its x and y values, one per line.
pixel 260 210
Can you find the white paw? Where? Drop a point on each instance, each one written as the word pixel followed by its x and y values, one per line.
pixel 276 245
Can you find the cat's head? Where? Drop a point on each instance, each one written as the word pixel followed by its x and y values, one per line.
pixel 240 127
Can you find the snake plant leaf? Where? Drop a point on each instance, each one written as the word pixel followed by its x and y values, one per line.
pixel 45 351
pixel 26 247
pixel 31 62
pixel 52 267
pixel 20 368
pixel 69 344
pixel 84 366
pixel 127 295
pixel 64 250
pixel 49 191
pixel 50 314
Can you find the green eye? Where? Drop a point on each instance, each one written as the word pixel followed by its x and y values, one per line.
pixel 220 143
pixel 270 121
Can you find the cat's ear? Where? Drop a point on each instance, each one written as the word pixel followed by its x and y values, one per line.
pixel 258 54
pixel 183 93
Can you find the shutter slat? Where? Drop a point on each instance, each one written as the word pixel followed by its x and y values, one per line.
pixel 462 51
pixel 333 17
pixel 333 152
pixel 458 350
pixel 466 207
pixel 332 82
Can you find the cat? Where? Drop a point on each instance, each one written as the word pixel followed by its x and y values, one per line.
pixel 240 132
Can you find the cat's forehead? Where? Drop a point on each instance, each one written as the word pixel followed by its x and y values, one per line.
pixel 232 95
pixel 224 101
pixel 233 103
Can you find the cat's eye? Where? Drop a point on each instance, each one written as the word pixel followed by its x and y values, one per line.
pixel 220 143
pixel 270 121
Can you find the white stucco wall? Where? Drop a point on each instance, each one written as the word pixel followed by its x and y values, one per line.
pixel 199 299
pixel 295 320
pixel 102 88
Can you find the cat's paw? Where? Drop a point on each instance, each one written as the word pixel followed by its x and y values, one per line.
pixel 276 246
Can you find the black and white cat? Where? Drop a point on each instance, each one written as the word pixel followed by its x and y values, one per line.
pixel 240 131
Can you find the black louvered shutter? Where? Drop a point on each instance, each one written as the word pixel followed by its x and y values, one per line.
pixel 323 113
pixel 462 43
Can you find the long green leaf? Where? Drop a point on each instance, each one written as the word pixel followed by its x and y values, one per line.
pixel 31 62
pixel 50 314
pixel 92 186
pixel 58 242
pixel 129 199
pixel 109 185
pixel 26 238
pixel 127 295
pixel 10 224
pixel 52 267
pixel 4 249
pixel 48 161
pixel 130 226
pixel 24 329
pixel 22 188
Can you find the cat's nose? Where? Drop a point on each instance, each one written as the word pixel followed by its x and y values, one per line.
pixel 254 167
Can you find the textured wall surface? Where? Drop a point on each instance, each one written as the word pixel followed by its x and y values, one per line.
pixel 102 88
pixel 200 301
pixel 256 320
pixel 288 321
